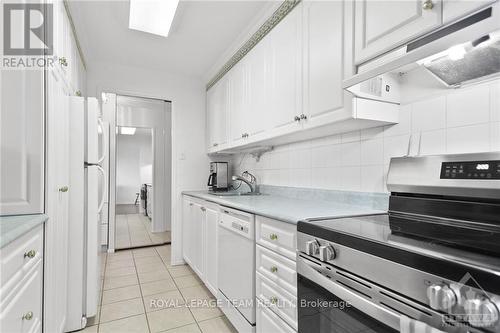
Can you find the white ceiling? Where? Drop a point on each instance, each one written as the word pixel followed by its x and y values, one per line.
pixel 202 31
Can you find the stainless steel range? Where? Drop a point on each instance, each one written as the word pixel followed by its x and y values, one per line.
pixel 431 264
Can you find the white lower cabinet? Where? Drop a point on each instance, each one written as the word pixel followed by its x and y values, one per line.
pixel 269 322
pixel 21 289
pixel 199 239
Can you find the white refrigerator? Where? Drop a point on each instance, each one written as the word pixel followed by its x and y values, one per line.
pixel 88 147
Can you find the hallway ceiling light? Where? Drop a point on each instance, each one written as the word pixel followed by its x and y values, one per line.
pixel 127 130
pixel 152 16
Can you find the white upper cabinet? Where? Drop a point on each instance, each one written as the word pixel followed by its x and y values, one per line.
pixel 455 9
pixel 217 105
pixel 22 141
pixel 381 26
pixel 285 86
pixel 238 101
pixel 324 61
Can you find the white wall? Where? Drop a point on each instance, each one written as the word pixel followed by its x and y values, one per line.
pixel 134 160
pixel 461 121
pixel 187 94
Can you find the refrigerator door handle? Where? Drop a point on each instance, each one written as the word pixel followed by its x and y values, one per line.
pixel 104 144
pixel 103 189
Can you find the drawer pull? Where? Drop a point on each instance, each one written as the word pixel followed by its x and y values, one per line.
pixel 274 300
pixel 30 254
pixel 28 316
pixel 273 236
pixel 274 269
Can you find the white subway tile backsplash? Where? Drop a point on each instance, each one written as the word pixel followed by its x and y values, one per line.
pixel 465 120
pixel 350 153
pixel 468 139
pixel 372 178
pixel 372 152
pixel 429 114
pixel 468 106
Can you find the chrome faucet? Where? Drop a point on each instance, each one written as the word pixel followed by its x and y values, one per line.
pixel 252 184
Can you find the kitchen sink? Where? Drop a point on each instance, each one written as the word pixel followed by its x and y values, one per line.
pixel 233 194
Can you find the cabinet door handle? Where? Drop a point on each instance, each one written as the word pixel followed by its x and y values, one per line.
pixel 303 117
pixel 78 93
pixel 215 144
pixel 273 236
pixel 190 204
pixel 30 254
pixel 428 5
pixel 274 269
pixel 203 209
pixel 28 315
pixel 243 135
pixel 64 189
pixel 63 61
pixel 274 300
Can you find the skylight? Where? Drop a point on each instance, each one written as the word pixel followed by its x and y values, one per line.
pixel 152 16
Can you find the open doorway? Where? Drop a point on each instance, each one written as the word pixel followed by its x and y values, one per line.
pixel 134 190
pixel 140 172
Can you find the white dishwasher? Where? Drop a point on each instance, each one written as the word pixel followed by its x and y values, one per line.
pixel 236 267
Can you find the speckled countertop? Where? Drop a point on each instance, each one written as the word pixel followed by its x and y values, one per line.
pixel 288 208
pixel 13 227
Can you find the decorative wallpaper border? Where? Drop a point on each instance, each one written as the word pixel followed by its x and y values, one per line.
pixel 282 11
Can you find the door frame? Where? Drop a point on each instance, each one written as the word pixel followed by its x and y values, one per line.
pixel 111 118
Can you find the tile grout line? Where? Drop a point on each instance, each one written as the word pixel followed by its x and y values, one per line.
pixel 140 291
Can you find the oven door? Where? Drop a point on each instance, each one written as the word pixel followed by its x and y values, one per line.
pixel 327 306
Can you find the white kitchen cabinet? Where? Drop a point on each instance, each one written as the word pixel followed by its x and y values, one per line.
pixel 22 138
pixel 269 322
pixel 199 238
pixel 455 9
pixel 210 250
pixel 217 106
pixel 238 101
pixel 285 86
pixel 381 26
pixel 326 55
pixel 21 291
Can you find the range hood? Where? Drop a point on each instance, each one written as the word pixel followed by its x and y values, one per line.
pixel 461 53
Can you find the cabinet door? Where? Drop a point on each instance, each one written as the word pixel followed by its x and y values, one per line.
pixel 285 64
pixel 324 60
pixel 197 239
pixel 56 231
pixel 258 64
pixel 187 246
pixel 22 138
pixel 381 26
pixel 210 250
pixel 456 9
pixel 268 321
pixel 217 100
pixel 238 101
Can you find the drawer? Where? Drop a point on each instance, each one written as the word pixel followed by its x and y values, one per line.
pixel 280 301
pixel 23 312
pixel 269 322
pixel 20 255
pixel 277 268
pixel 278 236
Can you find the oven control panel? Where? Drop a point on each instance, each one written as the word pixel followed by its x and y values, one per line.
pixel 471 170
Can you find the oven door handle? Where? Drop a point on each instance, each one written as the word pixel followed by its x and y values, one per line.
pixel 373 310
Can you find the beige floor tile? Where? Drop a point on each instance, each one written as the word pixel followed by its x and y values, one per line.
pixel 156 287
pixel 169 299
pixel 193 328
pixel 180 270
pixel 166 319
pixel 120 281
pixel 195 293
pixel 135 324
pixel 89 329
pixel 120 255
pixel 217 325
pixel 120 294
pixel 119 271
pixel 121 264
pixel 206 311
pixel 157 275
pixel 94 320
pixel 148 260
pixel 146 252
pixel 143 268
pixel 187 281
pixel 121 310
